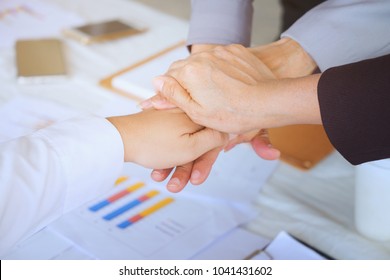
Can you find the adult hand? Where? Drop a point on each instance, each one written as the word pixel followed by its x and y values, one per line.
pixel 218 88
pixel 285 58
pixel 259 140
pixel 165 139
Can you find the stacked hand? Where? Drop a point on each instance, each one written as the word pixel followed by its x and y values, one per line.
pixel 229 89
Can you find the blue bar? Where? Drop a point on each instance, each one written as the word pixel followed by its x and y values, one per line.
pixel 99 205
pixel 121 210
pixel 124 224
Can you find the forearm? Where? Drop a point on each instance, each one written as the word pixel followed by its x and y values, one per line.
pixel 287 102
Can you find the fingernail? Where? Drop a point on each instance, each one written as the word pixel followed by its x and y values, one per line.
pixel 173 184
pixel 195 175
pixel 156 175
pixel 158 102
pixel 158 83
pixel 146 104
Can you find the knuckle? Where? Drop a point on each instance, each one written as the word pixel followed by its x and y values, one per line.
pixel 176 64
pixel 189 69
pixel 168 88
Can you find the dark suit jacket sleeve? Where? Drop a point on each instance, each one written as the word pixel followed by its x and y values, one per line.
pixel 355 108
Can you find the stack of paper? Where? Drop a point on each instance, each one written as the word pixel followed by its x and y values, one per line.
pixel 30 19
pixel 137 81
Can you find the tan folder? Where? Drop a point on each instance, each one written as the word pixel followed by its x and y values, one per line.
pixel 302 146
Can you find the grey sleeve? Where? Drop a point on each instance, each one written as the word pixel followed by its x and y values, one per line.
pixel 338 32
pixel 220 22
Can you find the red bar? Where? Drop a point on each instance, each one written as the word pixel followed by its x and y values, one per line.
pixel 118 196
pixel 135 218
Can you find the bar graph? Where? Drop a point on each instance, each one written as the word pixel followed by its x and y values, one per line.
pixel 96 207
pixel 130 205
pixel 146 212
pixel 140 219
pixel 142 216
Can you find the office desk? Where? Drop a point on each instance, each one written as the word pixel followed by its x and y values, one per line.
pixel 315 206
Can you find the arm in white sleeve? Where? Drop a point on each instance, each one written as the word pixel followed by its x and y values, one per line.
pixel 53 171
pixel 220 22
pixel 339 32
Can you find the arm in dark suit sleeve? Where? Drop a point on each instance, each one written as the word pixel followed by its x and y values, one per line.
pixel 355 108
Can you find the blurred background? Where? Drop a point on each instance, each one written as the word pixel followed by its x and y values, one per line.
pixel 266 20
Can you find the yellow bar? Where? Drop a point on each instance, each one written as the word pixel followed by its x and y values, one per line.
pixel 121 180
pixel 152 193
pixel 156 206
pixel 135 187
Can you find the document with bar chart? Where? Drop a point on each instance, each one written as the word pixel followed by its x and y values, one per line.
pixel 141 220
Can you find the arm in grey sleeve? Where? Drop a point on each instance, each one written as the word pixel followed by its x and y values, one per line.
pixel 338 32
pixel 221 22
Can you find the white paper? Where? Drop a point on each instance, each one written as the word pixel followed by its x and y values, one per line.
pixel 23 115
pixel 138 81
pixel 46 245
pixel 30 19
pixel 235 245
pixel 237 175
pixel 285 247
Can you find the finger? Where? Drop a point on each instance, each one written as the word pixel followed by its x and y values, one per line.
pixel 180 178
pixel 146 104
pixel 160 175
pixel 157 102
pixel 208 139
pixel 171 89
pixel 241 138
pixel 263 147
pixel 202 166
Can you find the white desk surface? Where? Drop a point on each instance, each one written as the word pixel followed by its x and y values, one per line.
pixel 316 206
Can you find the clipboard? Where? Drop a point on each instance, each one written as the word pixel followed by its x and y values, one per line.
pixel 302 146
pixel 108 81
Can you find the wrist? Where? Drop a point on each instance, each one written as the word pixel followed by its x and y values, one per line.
pixel 289 101
pixel 123 125
pixel 202 47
